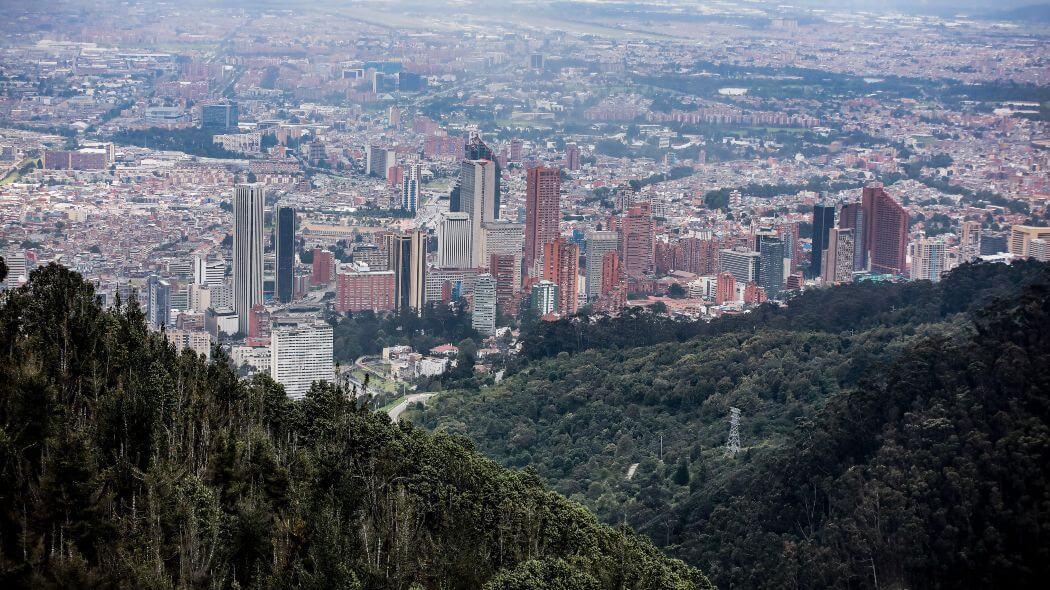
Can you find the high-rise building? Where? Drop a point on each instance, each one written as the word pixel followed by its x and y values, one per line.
pixel 407 258
pixel 725 289
pixel 771 263
pixel 504 269
pixel 885 231
pixel 517 149
pixel 475 149
pixel 742 264
pixel 969 241
pixel 285 254
pixel 542 211
pixel 599 243
pixel 544 298
pixel 637 241
pixel 219 116
pixel 322 267
pixel 823 221
pixel 572 156
pixel 483 315
pixel 410 183
pixel 364 290
pixel 454 240
pixel 477 198
pixel 839 259
pixel 1021 237
pixel 379 160
pixel 505 237
pixel 248 202
pixel 561 265
pixel 300 355
pixel 852 217
pixel 158 307
pixel 929 259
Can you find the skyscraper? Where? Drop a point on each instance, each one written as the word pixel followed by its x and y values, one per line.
pixel 725 289
pixel 410 183
pixel 572 156
pixel 407 258
pixel 158 303
pixel 475 149
pixel 483 316
pixel 477 198
pixel 248 202
pixel 542 211
pixel 771 263
pixel 885 231
pixel 852 217
pixel 929 258
pixel 561 265
pixel 839 259
pixel 823 221
pixel 378 160
pixel 454 245
pixel 285 254
pixel 598 244
pixel 300 355
pixel 505 238
pixel 503 268
pixel 637 241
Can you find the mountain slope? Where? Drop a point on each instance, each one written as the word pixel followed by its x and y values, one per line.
pixel 841 392
pixel 123 463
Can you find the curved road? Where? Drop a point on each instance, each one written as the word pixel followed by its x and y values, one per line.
pixel 400 408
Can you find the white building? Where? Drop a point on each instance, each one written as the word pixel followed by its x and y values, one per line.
pixel 300 355
pixel 929 256
pixel 197 341
pixel 483 318
pixel 477 198
pixel 248 202
pixel 410 183
pixel 454 246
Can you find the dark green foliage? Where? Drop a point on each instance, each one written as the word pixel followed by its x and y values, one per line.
pixel 367 333
pixel 126 464
pixel 191 140
pixel 895 435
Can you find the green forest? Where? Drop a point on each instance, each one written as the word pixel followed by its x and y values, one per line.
pixel 125 464
pixel 894 435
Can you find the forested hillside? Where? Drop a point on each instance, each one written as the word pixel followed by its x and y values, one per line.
pixel 126 464
pixel 894 435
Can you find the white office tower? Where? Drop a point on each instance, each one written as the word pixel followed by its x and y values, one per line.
pixel 410 183
pixel 505 237
pixel 599 243
pixel 483 318
pixel 1039 249
pixel 208 271
pixel 248 202
pixel 300 355
pixel 477 198
pixel 929 256
pixel 17 269
pixel 454 245
pixel 838 261
pixel 379 160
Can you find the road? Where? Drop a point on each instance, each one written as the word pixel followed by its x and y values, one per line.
pixel 400 408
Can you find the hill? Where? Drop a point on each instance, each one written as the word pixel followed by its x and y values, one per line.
pixel 894 435
pixel 126 464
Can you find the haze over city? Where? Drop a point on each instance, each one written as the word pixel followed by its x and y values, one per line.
pixel 530 294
